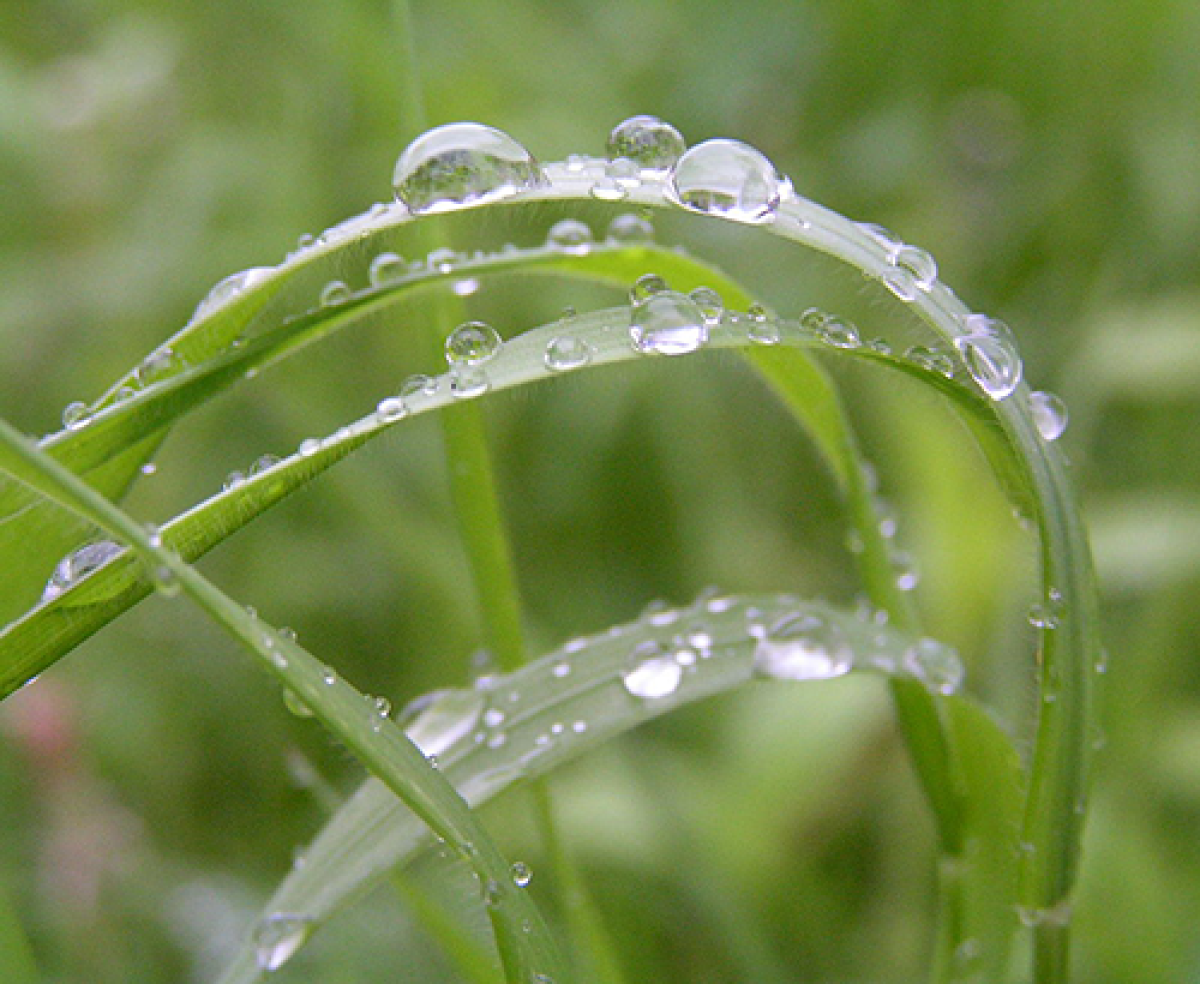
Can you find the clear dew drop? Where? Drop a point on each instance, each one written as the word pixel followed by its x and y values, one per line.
pixel 444 718
pixel 1049 414
pixel 472 344
pixel 77 565
pixel 418 386
pixel 653 673
pixel 935 665
pixel 229 288
pixel 802 646
pixel 904 566
pixel 763 329
pixel 667 323
pixel 931 359
pixel 521 874
pixel 630 229
pixel 386 269
pixel 460 164
pixel 647 141
pixel 294 704
pixel 76 415
pixel 308 447
pixel 468 383
pixel 990 353
pixel 390 408
pixel 264 463
pixel 918 263
pixel 157 366
pixel 567 352
pixel 570 235
pixel 166 581
pixel 646 286
pixel 442 260
pixel 839 334
pixel 278 937
pixel 727 178
pixel 710 304
pixel 333 293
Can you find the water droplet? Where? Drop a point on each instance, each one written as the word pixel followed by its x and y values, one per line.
pixel 471 344
pixel 630 229
pixel 919 264
pixel 308 447
pixel 149 468
pixel 567 352
pixel 839 334
pixel 802 646
pixel 881 235
pixel 463 163
pixel 386 269
pixel 900 282
pixel 229 288
pixel 645 286
pixel 333 293
pixel 293 702
pixel 442 260
pixel 493 717
pixel 155 366
pixel 521 874
pixel 813 319
pixel 654 674
pixel 468 383
pixel 465 288
pixel 990 353
pixel 418 386
pixel 935 665
pixel 278 937
pixel 728 178
pixel 76 415
pixel 264 463
pixel 329 677
pixel 931 359
pixel 561 669
pixel 390 408
pixel 166 581
pixel 570 235
pixel 77 565
pixel 710 304
pixel 763 329
pixel 1049 414
pixel 443 719
pixel 904 565
pixel 667 323
pixel 647 141
pixel 1047 613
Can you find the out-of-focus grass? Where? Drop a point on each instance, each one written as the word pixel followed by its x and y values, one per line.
pixel 1046 153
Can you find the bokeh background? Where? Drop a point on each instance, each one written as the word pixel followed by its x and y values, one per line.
pixel 153 786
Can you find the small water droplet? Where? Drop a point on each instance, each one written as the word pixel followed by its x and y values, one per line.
pixel 645 286
pixel 521 874
pixel 653 673
pixel 329 677
pixel 293 702
pixel 727 178
pixel 156 366
pixel 465 288
pixel 561 669
pixel 667 323
pixel 1049 414
pixel 308 447
pixel 567 352
pixel 647 141
pixel 166 581
pixel 919 264
pixel 386 269
pixel 463 163
pixel 935 665
pixel 570 235
pixel 442 260
pixel 149 468
pixel 931 359
pixel 990 353
pixel 839 334
pixel 265 463
pixel 1047 613
pixel 904 565
pixel 468 383
pixel 493 717
pixel 278 937
pixel 229 288
pixel 813 320
pixel 79 564
pixel 763 329
pixel 630 229
pixel 418 386
pixel 76 415
pixel 471 344
pixel 333 293
pixel 710 304
pixel 802 646
pixel 390 408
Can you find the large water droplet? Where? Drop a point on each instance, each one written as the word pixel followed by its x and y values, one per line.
pixel 462 163
pixel 570 235
pixel 990 353
pixel 1049 414
pixel 418 386
pixel 471 344
pixel 654 673
pixel 442 719
pixel 647 141
pixel 667 323
pixel 729 178
pixel 278 937
pixel 802 646
pixel 77 565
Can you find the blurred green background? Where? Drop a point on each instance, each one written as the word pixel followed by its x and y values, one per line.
pixel 153 786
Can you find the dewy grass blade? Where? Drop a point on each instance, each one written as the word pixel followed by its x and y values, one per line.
pixel 523 725
pixel 526 946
